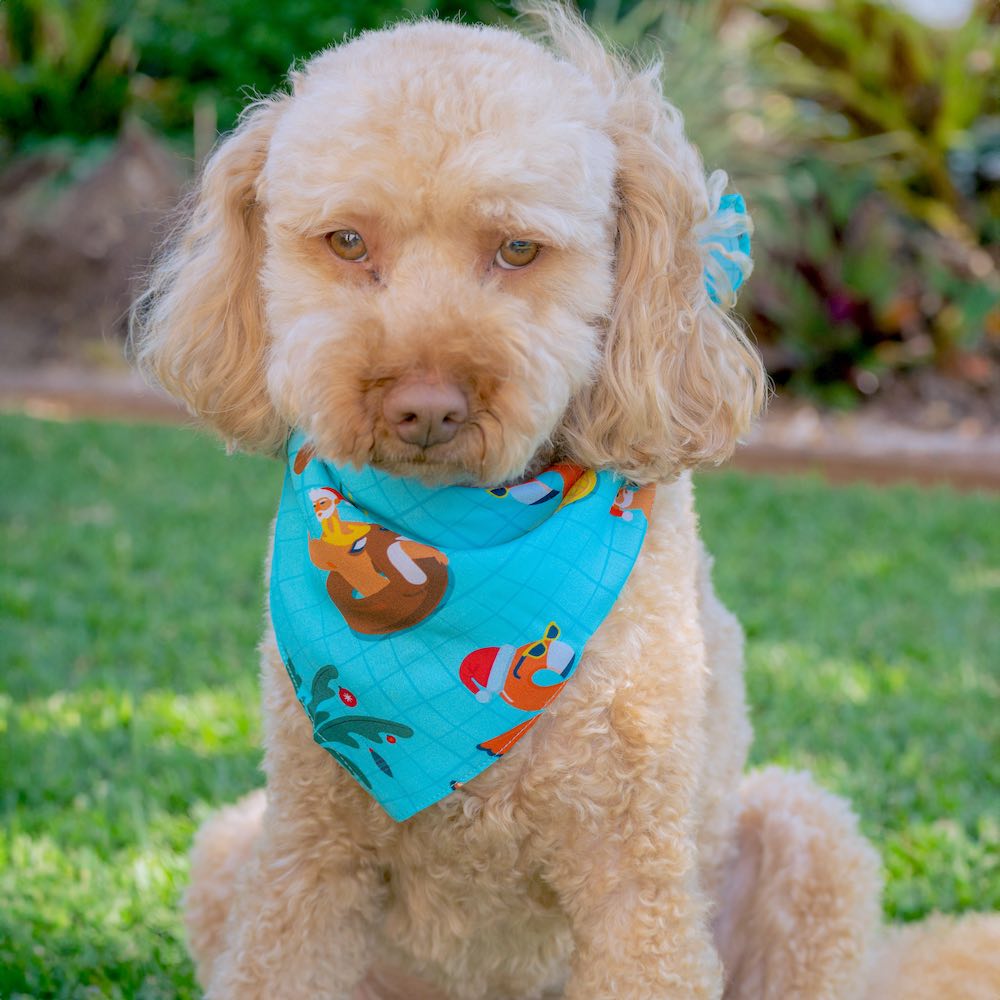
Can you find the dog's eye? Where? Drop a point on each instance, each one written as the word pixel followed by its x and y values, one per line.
pixel 347 245
pixel 516 253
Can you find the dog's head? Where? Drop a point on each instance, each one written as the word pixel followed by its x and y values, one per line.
pixel 454 253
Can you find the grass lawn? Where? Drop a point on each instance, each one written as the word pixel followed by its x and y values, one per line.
pixel 130 604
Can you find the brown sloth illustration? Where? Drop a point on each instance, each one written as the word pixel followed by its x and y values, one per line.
pixel 380 581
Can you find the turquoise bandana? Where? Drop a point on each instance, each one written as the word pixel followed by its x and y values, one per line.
pixel 426 630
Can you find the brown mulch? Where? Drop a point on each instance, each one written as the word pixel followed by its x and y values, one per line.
pixel 74 237
pixel 866 445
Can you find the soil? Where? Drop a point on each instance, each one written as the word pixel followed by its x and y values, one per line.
pixel 75 233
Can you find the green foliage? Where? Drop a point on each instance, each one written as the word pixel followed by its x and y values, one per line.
pixel 975 165
pixel 130 606
pixel 866 144
pixel 701 69
pixel 225 49
pixel 76 67
pixel 847 286
pixel 64 67
pixel 877 252
pixel 916 91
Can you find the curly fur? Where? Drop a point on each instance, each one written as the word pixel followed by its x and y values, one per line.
pixel 610 855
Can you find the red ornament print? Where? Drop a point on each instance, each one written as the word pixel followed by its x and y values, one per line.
pixel 347 697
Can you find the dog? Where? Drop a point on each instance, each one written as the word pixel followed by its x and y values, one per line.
pixel 461 257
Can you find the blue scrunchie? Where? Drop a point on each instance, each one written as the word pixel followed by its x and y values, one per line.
pixel 725 241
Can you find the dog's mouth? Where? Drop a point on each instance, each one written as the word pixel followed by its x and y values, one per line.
pixel 434 466
pixel 465 461
pixel 484 454
pixel 475 457
pixel 479 454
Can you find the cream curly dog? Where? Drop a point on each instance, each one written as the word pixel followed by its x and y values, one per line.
pixel 460 255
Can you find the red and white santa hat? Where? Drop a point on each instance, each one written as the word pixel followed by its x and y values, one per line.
pixel 325 493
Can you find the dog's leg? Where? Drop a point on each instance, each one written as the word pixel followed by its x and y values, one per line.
pixel 619 766
pixel 799 916
pixel 302 920
pixel 639 923
pixel 623 863
pixel 940 958
pixel 223 848
pixel 800 904
pixel 303 917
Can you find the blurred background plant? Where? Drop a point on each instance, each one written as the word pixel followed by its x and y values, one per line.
pixel 65 69
pixel 880 251
pixel 78 67
pixel 866 141
pixel 867 144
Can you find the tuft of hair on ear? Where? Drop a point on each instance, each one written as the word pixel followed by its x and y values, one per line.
pixel 679 380
pixel 199 328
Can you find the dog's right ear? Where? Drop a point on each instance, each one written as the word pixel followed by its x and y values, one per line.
pixel 200 329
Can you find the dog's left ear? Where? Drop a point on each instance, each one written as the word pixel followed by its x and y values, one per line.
pixel 679 381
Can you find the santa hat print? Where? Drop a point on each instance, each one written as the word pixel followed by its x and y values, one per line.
pixel 325 493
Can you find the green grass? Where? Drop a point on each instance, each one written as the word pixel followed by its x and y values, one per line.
pixel 130 605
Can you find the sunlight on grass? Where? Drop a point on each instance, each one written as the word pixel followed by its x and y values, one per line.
pixel 82 917
pixel 129 706
pixel 205 721
pixel 977 579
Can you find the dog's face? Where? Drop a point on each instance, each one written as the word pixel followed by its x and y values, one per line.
pixel 440 229
pixel 454 254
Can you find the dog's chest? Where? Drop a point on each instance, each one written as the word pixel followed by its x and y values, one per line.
pixel 468 893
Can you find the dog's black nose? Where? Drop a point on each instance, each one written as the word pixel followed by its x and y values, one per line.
pixel 425 412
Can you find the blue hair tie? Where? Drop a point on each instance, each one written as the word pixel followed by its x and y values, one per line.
pixel 724 238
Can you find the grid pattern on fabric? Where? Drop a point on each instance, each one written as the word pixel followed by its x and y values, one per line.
pixel 537 568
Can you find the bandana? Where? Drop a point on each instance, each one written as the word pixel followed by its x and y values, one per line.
pixel 426 630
